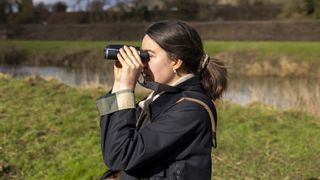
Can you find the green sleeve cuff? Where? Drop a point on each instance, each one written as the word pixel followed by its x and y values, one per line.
pixel 115 102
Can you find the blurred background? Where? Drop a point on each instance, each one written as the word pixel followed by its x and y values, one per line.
pixel 52 70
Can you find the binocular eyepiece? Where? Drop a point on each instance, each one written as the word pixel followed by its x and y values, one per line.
pixel 111 51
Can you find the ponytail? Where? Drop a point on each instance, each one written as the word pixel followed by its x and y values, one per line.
pixel 214 77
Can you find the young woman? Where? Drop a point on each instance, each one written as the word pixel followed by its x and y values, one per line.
pixel 168 135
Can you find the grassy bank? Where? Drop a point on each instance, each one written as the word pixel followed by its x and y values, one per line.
pixel 51 131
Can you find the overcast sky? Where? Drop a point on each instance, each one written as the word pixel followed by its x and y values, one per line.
pixel 53 1
pixel 71 3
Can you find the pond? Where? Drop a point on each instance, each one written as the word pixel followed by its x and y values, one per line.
pixel 283 93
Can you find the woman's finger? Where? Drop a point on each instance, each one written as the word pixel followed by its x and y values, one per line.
pixel 121 60
pixel 136 55
pixel 126 58
pixel 128 52
pixel 131 56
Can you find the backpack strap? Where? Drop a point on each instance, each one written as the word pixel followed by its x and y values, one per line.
pixel 198 98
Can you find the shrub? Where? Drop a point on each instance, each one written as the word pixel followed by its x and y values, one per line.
pixel 312 8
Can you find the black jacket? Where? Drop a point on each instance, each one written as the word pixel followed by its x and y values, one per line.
pixel 175 143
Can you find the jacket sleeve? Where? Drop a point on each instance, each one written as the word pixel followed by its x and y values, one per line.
pixel 124 148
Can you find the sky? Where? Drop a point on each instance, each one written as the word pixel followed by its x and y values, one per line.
pixel 52 1
pixel 71 3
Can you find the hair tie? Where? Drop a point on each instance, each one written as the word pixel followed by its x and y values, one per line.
pixel 204 61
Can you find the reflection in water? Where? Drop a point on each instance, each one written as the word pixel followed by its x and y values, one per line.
pixel 285 93
pixel 75 76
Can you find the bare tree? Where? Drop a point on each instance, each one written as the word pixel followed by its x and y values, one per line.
pixel 3 17
pixel 25 11
pixel 96 6
pixel 59 7
pixel 96 11
pixel 80 3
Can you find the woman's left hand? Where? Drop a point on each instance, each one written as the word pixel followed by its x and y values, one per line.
pixel 127 75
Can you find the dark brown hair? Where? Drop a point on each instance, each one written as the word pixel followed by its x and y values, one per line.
pixel 182 41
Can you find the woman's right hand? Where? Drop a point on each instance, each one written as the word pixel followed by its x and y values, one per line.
pixel 127 69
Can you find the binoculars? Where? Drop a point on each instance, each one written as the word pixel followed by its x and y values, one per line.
pixel 111 51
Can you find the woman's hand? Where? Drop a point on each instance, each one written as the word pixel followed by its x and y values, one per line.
pixel 127 70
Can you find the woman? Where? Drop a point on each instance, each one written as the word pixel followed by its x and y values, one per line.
pixel 169 135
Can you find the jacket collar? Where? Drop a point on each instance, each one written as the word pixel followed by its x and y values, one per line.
pixel 172 95
pixel 193 83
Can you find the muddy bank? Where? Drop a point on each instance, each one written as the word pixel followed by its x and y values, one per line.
pixel 14 56
pixel 247 62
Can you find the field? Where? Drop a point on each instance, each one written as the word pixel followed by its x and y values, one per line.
pixel 51 131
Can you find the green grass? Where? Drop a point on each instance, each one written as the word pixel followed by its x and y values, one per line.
pixel 51 131
pixel 261 143
pixel 304 51
pixel 48 130
pixel 49 46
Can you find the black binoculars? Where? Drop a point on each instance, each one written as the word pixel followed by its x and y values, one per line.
pixel 111 51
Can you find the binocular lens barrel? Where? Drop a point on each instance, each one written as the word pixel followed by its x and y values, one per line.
pixel 111 51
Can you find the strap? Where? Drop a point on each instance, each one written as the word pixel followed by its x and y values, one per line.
pixel 213 122
pixel 157 87
pixel 111 174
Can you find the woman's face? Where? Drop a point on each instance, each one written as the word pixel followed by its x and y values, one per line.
pixel 159 68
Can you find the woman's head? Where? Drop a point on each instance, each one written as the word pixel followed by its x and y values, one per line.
pixel 177 50
pixel 160 68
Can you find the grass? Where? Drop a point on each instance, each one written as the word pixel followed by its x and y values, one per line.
pixel 258 142
pixel 51 131
pixel 48 130
pixel 304 51
pixel 49 46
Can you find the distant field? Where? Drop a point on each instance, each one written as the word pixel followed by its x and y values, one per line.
pixel 305 51
pixel 51 131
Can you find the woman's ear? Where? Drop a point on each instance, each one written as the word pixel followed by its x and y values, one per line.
pixel 176 63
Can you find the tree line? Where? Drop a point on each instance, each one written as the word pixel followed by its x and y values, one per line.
pixel 102 11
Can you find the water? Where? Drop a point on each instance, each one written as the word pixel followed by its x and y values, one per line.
pixel 283 93
pixel 69 76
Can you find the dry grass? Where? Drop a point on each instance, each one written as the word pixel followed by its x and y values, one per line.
pixel 253 63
